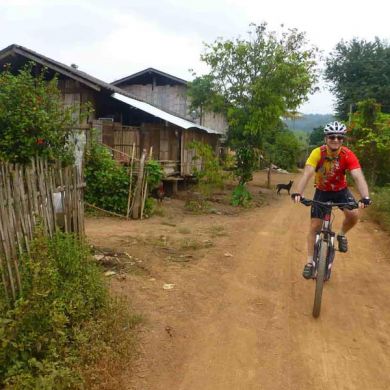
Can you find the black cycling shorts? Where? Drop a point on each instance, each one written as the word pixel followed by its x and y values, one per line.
pixel 342 196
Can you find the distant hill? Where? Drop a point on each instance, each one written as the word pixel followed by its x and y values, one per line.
pixel 308 122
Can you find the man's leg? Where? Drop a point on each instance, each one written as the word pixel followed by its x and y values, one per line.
pixel 315 227
pixel 351 218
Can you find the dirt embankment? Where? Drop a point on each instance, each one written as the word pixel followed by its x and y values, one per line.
pixel 226 306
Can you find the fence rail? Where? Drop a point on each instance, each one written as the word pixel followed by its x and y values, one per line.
pixel 39 192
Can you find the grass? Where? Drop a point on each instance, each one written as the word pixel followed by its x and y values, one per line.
pixel 64 323
pixel 217 231
pixel 380 209
pixel 197 206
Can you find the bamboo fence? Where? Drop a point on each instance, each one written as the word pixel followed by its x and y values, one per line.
pixel 29 194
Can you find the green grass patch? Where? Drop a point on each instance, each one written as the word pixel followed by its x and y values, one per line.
pixel 379 211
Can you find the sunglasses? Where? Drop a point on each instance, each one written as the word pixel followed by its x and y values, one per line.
pixel 334 137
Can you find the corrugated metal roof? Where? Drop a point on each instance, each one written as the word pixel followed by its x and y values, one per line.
pixel 162 114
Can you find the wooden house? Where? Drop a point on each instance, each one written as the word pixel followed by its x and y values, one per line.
pixel 170 94
pixel 124 120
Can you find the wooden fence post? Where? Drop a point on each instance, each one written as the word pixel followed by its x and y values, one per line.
pixel 138 187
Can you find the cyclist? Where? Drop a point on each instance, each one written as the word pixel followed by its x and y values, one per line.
pixel 329 163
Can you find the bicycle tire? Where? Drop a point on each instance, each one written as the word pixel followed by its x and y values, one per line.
pixel 321 270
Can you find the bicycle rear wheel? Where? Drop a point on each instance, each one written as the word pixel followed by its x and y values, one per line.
pixel 321 269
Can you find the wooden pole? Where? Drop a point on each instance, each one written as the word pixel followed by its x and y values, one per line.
pixel 138 187
pixel 145 186
pixel 131 181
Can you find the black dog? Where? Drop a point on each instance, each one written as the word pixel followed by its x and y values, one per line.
pixel 284 187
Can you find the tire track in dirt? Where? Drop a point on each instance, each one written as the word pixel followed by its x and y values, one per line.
pixel 244 322
pixel 262 335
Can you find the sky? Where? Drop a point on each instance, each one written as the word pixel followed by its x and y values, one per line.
pixel 113 39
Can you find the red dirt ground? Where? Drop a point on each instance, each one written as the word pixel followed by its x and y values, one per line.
pixel 238 315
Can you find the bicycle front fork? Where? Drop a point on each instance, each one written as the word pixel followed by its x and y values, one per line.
pixel 331 254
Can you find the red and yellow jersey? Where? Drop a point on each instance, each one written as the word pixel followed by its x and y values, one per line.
pixel 331 167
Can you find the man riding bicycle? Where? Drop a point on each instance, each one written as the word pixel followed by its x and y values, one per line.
pixel 329 163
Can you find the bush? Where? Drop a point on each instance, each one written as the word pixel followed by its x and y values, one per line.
pixel 241 196
pixel 63 296
pixel 33 119
pixel 211 175
pixel 107 181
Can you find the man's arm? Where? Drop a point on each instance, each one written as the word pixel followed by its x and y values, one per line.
pixel 360 182
pixel 362 187
pixel 308 173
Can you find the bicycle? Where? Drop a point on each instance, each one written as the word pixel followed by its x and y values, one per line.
pixel 324 249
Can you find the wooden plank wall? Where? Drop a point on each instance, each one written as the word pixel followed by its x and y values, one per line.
pixel 188 163
pixel 124 139
pixel 169 142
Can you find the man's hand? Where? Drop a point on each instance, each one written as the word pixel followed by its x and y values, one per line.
pixel 296 197
pixel 364 202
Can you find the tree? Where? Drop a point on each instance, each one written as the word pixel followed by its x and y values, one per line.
pixel 33 119
pixel 287 149
pixel 316 137
pixel 202 96
pixel 260 78
pixel 359 70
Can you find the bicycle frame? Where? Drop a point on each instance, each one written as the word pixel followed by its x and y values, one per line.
pixel 327 236
pixel 324 250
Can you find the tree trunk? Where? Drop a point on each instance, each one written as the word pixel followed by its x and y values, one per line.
pixel 269 175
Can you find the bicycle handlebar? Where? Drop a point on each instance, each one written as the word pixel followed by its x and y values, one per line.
pixel 348 205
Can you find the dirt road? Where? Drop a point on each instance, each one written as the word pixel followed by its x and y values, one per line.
pixel 240 318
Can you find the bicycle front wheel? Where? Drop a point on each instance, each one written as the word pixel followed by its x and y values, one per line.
pixel 321 269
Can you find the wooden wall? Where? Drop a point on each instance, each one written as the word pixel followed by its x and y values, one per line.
pixel 187 155
pixel 170 144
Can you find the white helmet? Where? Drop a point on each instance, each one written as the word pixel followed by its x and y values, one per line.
pixel 335 128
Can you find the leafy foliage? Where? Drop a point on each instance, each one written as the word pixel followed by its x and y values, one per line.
pixel 246 162
pixel 260 78
pixel 62 289
pixel 154 173
pixel 316 137
pixel 286 149
pixel 359 70
pixel 370 138
pixel 380 209
pixel 241 196
pixel 107 181
pixel 202 96
pixel 33 119
pixel 211 175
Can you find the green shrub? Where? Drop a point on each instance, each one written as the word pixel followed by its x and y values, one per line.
pixel 154 174
pixel 150 207
pixel 61 307
pixel 211 176
pixel 241 196
pixel 33 119
pixel 107 180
